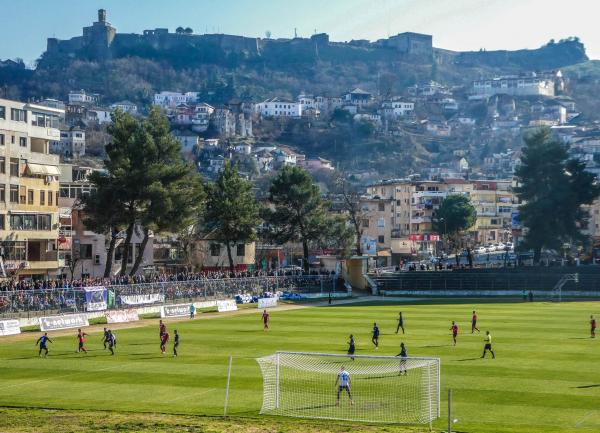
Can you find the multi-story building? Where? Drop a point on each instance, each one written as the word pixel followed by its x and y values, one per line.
pixel 401 213
pixel 125 106
pixel 277 107
pixel 71 143
pixel 28 188
pixel 494 202
pixel 396 108
pixel 81 97
pixel 173 99
pixel 85 249
pixel 544 84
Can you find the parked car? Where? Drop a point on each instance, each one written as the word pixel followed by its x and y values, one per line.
pixel 481 250
pixel 509 245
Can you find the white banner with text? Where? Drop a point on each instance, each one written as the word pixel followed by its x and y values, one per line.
pixel 227 305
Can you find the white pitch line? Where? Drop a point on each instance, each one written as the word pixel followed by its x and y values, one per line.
pixel 585 417
pixel 192 395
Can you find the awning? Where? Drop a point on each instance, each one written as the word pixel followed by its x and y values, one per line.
pixel 44 170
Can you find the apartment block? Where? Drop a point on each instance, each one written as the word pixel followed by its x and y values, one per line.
pixel 399 215
pixel 90 249
pixel 29 189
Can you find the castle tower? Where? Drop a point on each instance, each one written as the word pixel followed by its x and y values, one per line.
pixel 98 37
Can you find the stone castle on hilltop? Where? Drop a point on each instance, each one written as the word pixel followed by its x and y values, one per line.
pixel 100 41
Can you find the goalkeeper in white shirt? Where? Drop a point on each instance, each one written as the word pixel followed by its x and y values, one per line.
pixel 343 384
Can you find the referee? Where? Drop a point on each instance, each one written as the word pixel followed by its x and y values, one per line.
pixel 488 345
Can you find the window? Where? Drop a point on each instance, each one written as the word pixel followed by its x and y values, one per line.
pixel 2 165
pixel 1 139
pixel 215 250
pixel 381 222
pixel 2 112
pixel 97 259
pixel 44 120
pixel 85 251
pixel 14 193
pixel 2 193
pixel 50 198
pixel 12 139
pixel 30 196
pixel 23 141
pixel 14 167
pixel 14 251
pixel 30 222
pixel 381 239
pixel 2 225
pixel 365 223
pixel 22 194
pixel 18 115
pixel 42 198
pixel 241 250
pixel 381 207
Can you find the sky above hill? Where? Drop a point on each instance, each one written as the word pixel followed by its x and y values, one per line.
pixel 457 25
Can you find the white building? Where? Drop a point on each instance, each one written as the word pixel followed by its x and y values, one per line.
pixel 521 85
pixel 82 97
pixel 277 107
pixel 390 109
pixel 243 148
pixel 306 101
pixel 100 115
pixel 125 106
pixel 173 99
pixel 71 143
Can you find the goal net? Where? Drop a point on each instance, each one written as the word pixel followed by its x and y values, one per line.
pixel 384 389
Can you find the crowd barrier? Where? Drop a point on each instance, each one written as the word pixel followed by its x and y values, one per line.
pixel 46 302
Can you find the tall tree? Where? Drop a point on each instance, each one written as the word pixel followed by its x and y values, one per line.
pixel 173 190
pixel 146 182
pixel 552 189
pixel 232 213
pixel 299 214
pixel 455 215
pixel 102 218
pixel 352 206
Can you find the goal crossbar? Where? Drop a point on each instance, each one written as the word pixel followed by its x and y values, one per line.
pixel 384 389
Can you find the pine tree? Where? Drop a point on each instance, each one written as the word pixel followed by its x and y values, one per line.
pixel 552 189
pixel 232 213
pixel 299 212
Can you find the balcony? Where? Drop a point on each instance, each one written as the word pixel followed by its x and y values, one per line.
pixel 420 219
pixel 422 194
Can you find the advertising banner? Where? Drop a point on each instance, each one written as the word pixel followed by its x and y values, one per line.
pixel 54 323
pixel 179 310
pixel 267 302
pixel 9 327
pixel 121 316
pixel 96 298
pixel 150 298
pixel 228 305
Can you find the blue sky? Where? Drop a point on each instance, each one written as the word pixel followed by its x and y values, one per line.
pixel 455 24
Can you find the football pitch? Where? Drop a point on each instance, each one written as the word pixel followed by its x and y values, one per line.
pixel 545 378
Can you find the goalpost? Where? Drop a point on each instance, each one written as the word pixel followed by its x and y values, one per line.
pixel 384 389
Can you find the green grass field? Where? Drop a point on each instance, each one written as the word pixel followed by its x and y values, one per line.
pixel 545 378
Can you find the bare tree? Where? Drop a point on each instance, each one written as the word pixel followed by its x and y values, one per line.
pixel 356 213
